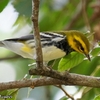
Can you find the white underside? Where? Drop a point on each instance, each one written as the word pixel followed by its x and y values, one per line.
pixel 52 52
pixel 49 53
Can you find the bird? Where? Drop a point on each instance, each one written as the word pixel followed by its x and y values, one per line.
pixel 54 44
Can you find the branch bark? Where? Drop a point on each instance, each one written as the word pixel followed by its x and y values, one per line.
pixel 71 79
pixel 35 10
pixel 36 82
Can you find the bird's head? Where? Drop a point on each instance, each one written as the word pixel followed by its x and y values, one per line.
pixel 78 42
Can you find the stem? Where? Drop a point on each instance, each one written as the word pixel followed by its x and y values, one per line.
pixel 59 86
pixel 84 5
pixel 35 10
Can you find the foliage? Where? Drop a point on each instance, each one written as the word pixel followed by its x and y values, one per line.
pixel 69 61
pixel 97 97
pixel 3 4
pixel 56 15
pixel 9 94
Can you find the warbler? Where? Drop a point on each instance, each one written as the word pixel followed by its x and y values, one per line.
pixel 54 44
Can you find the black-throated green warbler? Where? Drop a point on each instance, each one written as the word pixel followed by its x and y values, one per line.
pixel 54 44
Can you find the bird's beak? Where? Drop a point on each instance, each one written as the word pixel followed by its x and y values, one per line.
pixel 88 56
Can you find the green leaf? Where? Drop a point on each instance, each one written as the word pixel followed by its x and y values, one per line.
pixel 3 4
pixel 3 92
pixel 97 97
pixel 95 51
pixel 12 94
pixel 24 7
pixel 89 95
pixel 69 61
pixel 8 94
pixel 23 20
pixel 64 98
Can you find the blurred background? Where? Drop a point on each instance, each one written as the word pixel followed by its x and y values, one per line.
pixel 54 15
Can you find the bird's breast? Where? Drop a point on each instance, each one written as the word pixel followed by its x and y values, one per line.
pixel 52 52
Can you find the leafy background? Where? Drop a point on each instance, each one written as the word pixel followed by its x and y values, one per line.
pixel 53 15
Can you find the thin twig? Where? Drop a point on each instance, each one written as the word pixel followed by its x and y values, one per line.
pixel 59 86
pixel 86 20
pixel 75 17
pixel 48 93
pixel 35 10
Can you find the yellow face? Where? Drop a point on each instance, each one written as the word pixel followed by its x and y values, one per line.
pixel 79 42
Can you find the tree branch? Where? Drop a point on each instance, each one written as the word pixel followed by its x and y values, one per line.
pixel 49 72
pixel 72 79
pixel 36 82
pixel 35 10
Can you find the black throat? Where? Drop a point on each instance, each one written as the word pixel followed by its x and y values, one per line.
pixel 63 45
